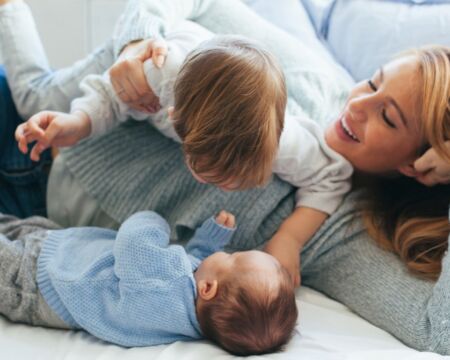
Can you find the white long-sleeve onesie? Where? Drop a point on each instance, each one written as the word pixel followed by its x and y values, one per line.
pixel 321 175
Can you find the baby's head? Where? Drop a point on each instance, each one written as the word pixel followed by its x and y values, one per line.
pixel 246 302
pixel 230 99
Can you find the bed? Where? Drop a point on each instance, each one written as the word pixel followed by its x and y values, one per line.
pixel 326 329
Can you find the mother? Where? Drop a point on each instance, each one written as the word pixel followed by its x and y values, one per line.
pixel 341 260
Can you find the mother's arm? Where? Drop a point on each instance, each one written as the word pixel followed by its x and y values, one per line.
pixel 314 83
pixel 34 85
pixel 346 264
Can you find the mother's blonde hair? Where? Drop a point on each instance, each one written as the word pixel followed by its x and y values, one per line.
pixel 402 215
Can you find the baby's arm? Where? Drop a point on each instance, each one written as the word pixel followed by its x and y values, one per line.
pixel 212 236
pixel 322 178
pixel 140 241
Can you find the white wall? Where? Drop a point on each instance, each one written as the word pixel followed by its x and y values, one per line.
pixel 72 28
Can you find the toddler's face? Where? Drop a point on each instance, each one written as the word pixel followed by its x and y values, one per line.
pixel 220 264
pixel 228 185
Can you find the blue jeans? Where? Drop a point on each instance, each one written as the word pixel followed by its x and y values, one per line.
pixel 23 183
pixel 34 87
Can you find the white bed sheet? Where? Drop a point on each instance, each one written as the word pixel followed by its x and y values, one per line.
pixel 327 330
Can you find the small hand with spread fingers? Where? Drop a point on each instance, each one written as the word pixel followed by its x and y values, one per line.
pixel 51 128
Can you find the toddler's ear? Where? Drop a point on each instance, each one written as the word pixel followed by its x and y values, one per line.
pixel 170 111
pixel 207 289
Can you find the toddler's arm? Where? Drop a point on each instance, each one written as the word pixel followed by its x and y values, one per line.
pixel 105 108
pixel 212 236
pixel 100 108
pixel 51 128
pixel 322 177
pixel 287 243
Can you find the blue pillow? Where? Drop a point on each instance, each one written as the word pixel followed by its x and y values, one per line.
pixel 364 34
pixel 291 16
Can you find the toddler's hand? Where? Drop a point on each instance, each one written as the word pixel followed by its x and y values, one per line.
pixel 226 219
pixel 287 252
pixel 434 169
pixel 50 128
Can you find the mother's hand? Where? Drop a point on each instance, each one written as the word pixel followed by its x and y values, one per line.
pixel 433 169
pixel 128 77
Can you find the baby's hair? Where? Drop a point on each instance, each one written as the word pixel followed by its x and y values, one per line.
pixel 250 317
pixel 230 99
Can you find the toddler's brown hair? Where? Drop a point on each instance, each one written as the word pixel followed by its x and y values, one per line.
pixel 249 317
pixel 230 99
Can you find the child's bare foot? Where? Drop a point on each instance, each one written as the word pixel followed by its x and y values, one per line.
pixel 226 219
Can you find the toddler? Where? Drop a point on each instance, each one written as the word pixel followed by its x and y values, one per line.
pixel 130 287
pixel 226 105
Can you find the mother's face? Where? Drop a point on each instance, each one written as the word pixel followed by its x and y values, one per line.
pixel 378 131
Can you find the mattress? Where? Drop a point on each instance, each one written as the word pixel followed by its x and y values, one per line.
pixel 326 330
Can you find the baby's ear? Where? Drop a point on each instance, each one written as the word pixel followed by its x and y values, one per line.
pixel 170 111
pixel 207 289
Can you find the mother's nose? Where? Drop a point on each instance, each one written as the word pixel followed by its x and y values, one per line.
pixel 358 108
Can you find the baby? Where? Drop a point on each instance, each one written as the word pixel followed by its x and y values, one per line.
pixel 132 288
pixel 224 99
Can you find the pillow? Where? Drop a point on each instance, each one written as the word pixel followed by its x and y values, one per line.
pixel 364 34
pixel 291 16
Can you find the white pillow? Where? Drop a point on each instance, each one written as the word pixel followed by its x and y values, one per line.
pixel 364 34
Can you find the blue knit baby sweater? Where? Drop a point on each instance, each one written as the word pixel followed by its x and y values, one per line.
pixel 128 287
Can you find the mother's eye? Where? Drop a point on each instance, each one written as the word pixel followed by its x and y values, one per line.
pixel 386 119
pixel 372 85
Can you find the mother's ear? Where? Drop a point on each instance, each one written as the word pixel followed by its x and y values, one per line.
pixel 170 112
pixel 409 170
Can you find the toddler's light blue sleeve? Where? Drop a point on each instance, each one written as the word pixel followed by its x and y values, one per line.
pixel 209 238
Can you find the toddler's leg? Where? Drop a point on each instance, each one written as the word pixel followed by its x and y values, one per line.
pixel 34 85
pixel 20 244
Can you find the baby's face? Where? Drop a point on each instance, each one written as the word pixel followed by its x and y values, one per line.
pixel 220 265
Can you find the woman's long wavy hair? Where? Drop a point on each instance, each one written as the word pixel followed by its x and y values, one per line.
pixel 404 216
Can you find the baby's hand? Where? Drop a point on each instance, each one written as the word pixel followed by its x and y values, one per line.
pixel 50 128
pixel 432 168
pixel 287 253
pixel 226 219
